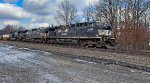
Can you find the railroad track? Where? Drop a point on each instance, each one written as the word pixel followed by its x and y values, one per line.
pixel 112 50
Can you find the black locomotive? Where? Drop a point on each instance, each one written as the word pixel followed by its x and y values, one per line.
pixel 82 34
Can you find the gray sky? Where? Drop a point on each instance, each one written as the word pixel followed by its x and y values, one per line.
pixel 32 13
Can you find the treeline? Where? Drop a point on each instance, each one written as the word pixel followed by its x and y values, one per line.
pixel 10 28
pixel 129 19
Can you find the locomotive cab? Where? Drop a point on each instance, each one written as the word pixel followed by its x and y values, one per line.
pixel 108 36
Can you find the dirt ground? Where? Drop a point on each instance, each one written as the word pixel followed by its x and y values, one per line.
pixel 130 58
pixel 24 65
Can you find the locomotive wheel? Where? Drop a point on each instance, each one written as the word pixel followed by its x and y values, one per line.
pixel 113 42
pixel 47 42
pixel 104 47
pixel 82 44
pixel 94 45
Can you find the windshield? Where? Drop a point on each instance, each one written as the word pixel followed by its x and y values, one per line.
pixel 107 28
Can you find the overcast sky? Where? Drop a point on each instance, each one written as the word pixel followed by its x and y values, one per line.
pixel 31 13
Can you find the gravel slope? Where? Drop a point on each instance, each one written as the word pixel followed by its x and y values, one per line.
pixel 132 59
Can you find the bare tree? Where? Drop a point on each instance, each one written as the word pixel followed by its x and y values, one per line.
pixel 107 10
pixel 89 12
pixel 67 13
pixel 10 28
pixel 20 28
pixel 135 29
pixel 7 29
pixel 129 19
pixel 86 14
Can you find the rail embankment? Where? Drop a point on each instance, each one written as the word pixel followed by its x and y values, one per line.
pixel 121 58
